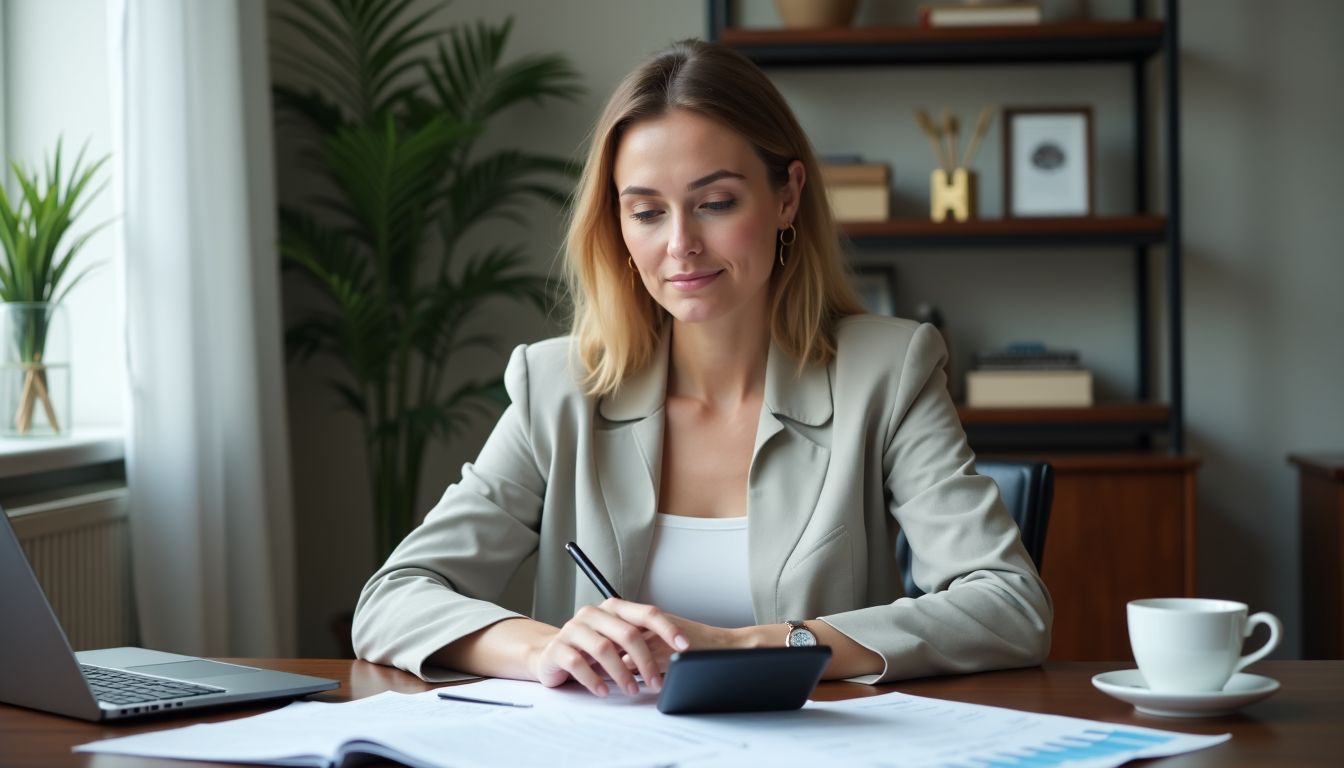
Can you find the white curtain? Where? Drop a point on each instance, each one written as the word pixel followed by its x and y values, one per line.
pixel 207 453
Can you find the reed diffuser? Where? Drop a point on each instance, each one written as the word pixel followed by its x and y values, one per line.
pixel 952 185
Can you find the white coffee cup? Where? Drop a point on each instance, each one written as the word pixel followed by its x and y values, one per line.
pixel 1187 644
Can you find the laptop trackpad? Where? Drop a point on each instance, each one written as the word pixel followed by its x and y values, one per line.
pixel 191 670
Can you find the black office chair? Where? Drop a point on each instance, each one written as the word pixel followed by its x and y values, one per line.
pixel 1028 489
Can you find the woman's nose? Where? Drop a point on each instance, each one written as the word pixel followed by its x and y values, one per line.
pixel 684 239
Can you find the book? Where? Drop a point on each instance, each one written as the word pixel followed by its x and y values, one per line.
pixel 1020 356
pixel 1063 388
pixel 859 202
pixel 855 173
pixel 980 15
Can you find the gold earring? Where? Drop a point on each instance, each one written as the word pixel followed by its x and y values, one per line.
pixel 631 261
pixel 793 236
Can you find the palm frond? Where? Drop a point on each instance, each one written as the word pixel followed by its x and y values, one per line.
pixel 391 186
pixel 469 82
pixel 359 50
pixel 443 310
pixel 360 331
pixel 499 186
pixel 451 414
pixel 316 111
pixel 350 396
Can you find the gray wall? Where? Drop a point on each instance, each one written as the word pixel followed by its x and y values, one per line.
pixel 1263 266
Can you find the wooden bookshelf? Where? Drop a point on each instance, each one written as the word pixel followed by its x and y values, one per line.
pixel 1123 521
pixel 1074 41
pixel 1047 232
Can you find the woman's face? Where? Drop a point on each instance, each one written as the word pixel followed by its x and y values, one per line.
pixel 699 216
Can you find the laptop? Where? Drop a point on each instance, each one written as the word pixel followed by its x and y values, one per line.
pixel 39 670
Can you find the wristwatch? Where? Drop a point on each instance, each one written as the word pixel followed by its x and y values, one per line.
pixel 799 635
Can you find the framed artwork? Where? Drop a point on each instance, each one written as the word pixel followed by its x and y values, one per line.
pixel 1048 161
pixel 876 286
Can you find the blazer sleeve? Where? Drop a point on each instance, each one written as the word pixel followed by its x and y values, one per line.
pixel 440 582
pixel 986 606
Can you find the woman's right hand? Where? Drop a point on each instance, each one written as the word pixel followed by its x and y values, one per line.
pixel 592 645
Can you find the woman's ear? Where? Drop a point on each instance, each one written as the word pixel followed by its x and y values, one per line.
pixel 792 193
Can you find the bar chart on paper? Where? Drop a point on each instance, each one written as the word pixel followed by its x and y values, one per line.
pixel 1090 746
pixel 912 730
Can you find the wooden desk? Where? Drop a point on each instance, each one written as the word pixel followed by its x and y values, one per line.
pixel 1299 725
pixel 1321 505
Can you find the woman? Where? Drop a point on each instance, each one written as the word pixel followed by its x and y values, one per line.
pixel 725 433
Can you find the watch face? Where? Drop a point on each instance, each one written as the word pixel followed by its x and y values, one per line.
pixel 801 637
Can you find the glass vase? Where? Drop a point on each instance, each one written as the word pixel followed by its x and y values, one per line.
pixel 34 369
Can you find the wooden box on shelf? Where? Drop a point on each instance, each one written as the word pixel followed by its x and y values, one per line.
pixel 858 192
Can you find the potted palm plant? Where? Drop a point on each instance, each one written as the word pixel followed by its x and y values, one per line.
pixel 390 110
pixel 34 279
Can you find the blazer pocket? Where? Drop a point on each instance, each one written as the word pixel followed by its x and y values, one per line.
pixel 838 532
pixel 824 575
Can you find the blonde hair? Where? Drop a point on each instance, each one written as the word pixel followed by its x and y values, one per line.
pixel 616 325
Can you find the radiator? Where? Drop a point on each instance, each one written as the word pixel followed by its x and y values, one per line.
pixel 79 547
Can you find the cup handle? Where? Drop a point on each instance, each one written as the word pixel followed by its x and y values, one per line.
pixel 1275 630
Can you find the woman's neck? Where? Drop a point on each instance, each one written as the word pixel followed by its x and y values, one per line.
pixel 722 368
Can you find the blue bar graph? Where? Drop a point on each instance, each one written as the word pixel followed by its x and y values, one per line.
pixel 1089 744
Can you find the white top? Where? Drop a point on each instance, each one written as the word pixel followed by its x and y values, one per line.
pixel 698 570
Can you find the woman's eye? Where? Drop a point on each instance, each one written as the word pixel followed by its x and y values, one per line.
pixel 717 206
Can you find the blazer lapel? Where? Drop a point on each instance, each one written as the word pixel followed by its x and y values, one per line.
pixel 787 472
pixel 786 477
pixel 629 463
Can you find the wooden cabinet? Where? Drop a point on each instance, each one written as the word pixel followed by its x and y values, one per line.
pixel 1321 504
pixel 1122 528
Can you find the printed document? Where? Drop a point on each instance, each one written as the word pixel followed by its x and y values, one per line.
pixel 568 726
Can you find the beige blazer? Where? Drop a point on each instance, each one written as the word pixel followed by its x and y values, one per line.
pixel 844 454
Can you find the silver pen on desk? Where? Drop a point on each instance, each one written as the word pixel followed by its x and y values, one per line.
pixel 473 700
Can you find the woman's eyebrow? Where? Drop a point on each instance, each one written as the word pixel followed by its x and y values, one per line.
pixel 694 185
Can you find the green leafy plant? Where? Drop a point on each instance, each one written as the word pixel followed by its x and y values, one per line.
pixel 393 109
pixel 34 276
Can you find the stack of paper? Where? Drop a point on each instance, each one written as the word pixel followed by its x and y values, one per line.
pixel 570 727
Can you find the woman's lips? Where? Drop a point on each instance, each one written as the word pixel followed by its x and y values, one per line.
pixel 694 281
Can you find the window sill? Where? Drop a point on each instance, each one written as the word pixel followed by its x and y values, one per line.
pixel 20 457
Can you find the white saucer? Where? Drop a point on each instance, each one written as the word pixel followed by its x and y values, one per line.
pixel 1128 685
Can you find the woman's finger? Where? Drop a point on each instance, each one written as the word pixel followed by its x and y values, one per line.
pixel 648 617
pixel 603 650
pixel 629 637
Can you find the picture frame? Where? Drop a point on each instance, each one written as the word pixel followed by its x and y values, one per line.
pixel 1048 159
pixel 876 286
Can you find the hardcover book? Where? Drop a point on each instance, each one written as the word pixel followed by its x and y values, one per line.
pixel 1063 388
pixel 980 15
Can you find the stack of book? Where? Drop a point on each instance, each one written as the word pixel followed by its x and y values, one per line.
pixel 1028 376
pixel 858 191
pixel 985 14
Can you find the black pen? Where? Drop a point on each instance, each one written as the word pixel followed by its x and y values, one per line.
pixel 591 571
pixel 455 697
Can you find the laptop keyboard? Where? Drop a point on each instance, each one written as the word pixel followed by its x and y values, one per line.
pixel 115 686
